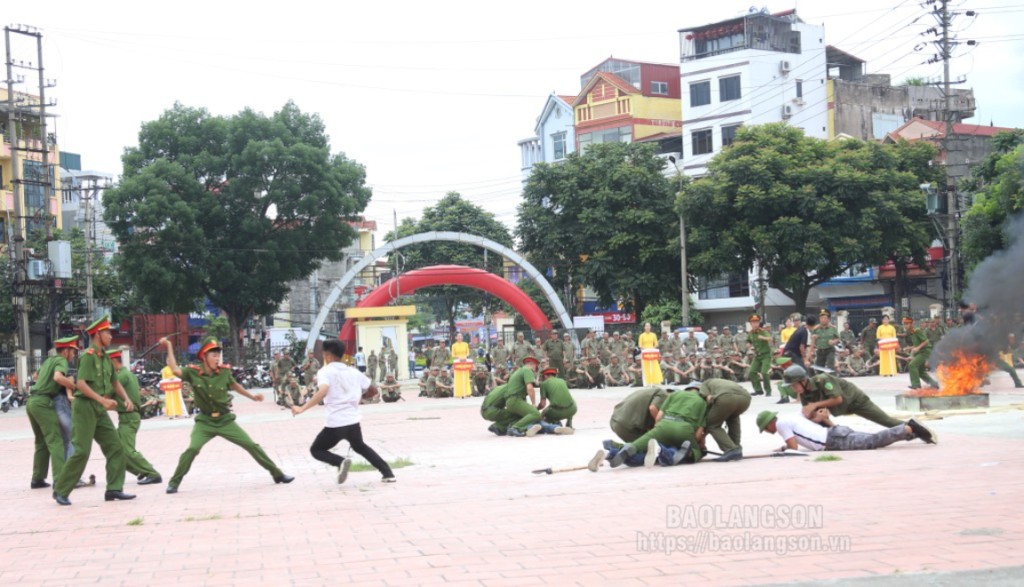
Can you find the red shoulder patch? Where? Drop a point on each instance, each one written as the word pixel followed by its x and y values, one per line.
pixel 226 366
pixel 91 351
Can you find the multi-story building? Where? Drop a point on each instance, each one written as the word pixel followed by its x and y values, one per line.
pixel 753 69
pixel 39 202
pixel 555 135
pixel 81 197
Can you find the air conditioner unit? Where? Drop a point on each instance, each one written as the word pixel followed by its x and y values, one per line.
pixel 785 66
pixel 38 270
pixel 787 110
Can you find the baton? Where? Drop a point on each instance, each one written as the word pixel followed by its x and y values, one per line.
pixel 150 349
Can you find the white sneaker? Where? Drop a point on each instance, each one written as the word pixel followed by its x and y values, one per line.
pixel 564 430
pixel 343 470
pixel 653 450
pixel 389 480
pixel 596 462
pixel 533 430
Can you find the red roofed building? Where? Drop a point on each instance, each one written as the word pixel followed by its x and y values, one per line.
pixel 967 146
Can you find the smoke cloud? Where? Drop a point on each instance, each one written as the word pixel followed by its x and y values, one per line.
pixel 997 287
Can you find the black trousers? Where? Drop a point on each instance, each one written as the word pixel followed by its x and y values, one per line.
pixel 796 357
pixel 330 437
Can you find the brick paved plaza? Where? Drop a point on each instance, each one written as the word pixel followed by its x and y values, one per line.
pixel 469 511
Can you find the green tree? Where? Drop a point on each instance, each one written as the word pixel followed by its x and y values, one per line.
pixel 231 209
pixel 998 188
pixel 604 219
pixel 805 210
pixel 670 310
pixel 453 214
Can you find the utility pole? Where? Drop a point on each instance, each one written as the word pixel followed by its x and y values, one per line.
pixel 684 276
pixel 17 248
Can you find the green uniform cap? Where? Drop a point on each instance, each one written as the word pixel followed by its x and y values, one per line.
pixel 68 342
pixel 765 418
pixel 102 324
pixel 209 343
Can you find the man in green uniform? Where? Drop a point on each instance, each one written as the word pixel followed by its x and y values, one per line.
pixel 825 339
pixel 128 425
pixel 690 343
pixel 482 381
pixel 371 367
pixel 616 374
pixel 592 375
pixel 211 386
pixel 517 390
pixel 837 395
pixel 499 356
pixel 556 404
pixel 309 368
pixel 921 349
pixel 97 382
pixel 445 385
pixel 520 350
pixel 847 336
pixel 634 415
pixel 727 342
pixel 390 390
pixel 553 349
pixel 51 380
pixel 588 348
pixel 869 337
pixel 674 439
pixel 727 401
pixel 760 369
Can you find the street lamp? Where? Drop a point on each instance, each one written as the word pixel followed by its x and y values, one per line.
pixel 682 251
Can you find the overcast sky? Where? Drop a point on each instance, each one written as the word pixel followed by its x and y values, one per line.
pixel 433 96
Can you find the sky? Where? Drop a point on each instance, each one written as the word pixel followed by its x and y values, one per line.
pixel 432 97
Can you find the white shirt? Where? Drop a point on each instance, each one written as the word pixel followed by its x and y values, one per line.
pixel 360 359
pixel 345 387
pixel 806 433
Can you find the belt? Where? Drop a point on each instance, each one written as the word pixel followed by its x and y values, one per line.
pixel 676 419
pixel 214 414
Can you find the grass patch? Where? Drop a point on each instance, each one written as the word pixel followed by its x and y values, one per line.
pixel 399 463
pixel 202 518
pixel 827 458
pixel 135 522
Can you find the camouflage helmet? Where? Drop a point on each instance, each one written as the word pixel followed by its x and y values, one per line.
pixel 794 373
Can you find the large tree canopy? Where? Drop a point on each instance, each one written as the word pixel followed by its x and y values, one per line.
pixel 806 210
pixel 605 219
pixel 998 189
pixel 454 214
pixel 231 208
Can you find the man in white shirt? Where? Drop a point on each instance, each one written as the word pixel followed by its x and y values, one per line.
pixel 340 387
pixel 361 360
pixel 798 431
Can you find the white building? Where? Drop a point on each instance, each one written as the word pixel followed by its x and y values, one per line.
pixel 753 69
pixel 555 135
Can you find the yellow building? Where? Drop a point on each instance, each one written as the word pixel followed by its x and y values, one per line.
pixel 40 202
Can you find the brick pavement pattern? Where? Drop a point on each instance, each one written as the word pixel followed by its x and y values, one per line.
pixel 469 511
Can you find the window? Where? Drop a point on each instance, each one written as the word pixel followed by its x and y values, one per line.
pixel 799 88
pixel 700 94
pixel 622 134
pixel 729 134
pixel 729 88
pixel 732 285
pixel 558 145
pixel 660 88
pixel 702 143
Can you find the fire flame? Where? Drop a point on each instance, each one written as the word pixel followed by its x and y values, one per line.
pixel 962 376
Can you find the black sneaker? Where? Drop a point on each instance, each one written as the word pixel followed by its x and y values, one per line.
pixel 681 453
pixel 784 400
pixel 923 432
pixel 623 454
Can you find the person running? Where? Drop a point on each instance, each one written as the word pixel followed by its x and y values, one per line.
pixel 340 387
pixel 211 386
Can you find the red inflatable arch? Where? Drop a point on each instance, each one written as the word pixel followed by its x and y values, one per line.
pixel 450 275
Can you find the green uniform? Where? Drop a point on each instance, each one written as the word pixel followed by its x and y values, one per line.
pixel 515 399
pixel 728 402
pixel 683 413
pixel 848 338
pixel 824 351
pixel 49 445
pixel 617 374
pixel 869 337
pixel 128 425
pixel 561 405
pixel 823 387
pixel 493 409
pixel 213 398
pixel 499 357
pixel 553 349
pixel 760 368
pixel 632 417
pixel 89 421
pixel 521 350
pixel 919 364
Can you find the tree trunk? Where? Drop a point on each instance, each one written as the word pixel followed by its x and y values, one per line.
pixel 233 338
pixel 899 288
pixel 799 296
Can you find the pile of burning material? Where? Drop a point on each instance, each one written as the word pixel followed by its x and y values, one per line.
pixel 963 375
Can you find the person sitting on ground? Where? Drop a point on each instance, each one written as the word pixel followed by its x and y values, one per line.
pixel 390 390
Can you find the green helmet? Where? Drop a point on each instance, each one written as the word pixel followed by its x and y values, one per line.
pixel 794 373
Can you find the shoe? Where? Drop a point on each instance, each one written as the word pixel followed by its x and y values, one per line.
pixel 388 480
pixel 731 455
pixel 148 480
pixel 38 484
pixel 758 393
pixel 171 489
pixel 514 432
pixel 623 454
pixel 61 499
pixel 495 429
pixel 783 400
pixel 343 470
pixel 284 479
pixel 563 431
pixel 913 387
pixel 681 453
pixel 112 495
pixel 533 430
pixel 653 450
pixel 923 432
pixel 595 463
